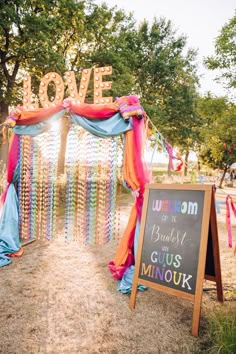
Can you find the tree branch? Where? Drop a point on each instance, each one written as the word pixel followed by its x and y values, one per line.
pixel 5 59
pixel 7 38
pixel 68 42
pixel 15 71
pixel 4 67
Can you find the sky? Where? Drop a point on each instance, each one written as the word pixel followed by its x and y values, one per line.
pixel 199 20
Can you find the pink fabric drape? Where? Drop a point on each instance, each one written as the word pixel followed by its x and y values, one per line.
pixel 143 173
pixel 94 111
pixel 11 165
pixel 12 157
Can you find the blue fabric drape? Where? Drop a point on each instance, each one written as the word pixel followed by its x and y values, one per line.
pixel 103 127
pixel 38 128
pixel 125 285
pixel 9 223
pixel 9 227
pixel 99 127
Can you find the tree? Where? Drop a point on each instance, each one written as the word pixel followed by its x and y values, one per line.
pixel 225 54
pixel 41 36
pixel 30 33
pixel 218 148
pixel 167 82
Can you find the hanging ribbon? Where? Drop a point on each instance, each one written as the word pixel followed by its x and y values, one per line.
pixel 229 202
pixel 165 146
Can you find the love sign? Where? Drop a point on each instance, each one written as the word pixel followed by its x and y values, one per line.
pixel 77 96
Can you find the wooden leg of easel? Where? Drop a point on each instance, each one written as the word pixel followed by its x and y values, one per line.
pixel 216 250
pixel 133 295
pixel 196 318
pixel 219 288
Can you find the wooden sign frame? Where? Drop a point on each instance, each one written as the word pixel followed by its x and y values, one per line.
pixel 208 245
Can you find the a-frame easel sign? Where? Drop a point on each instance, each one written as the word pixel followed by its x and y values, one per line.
pixel 178 243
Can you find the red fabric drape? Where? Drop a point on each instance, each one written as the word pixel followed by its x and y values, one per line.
pixel 12 162
pixel 91 111
pixel 94 111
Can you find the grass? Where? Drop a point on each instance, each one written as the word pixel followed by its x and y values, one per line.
pixel 222 330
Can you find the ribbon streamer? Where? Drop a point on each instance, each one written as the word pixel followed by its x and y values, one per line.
pixel 229 202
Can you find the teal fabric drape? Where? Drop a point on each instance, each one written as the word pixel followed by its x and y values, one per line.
pixel 9 223
pixel 99 127
pixel 103 127
pixel 35 129
pixel 9 227
pixel 125 284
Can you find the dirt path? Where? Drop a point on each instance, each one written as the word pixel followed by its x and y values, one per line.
pixel 61 299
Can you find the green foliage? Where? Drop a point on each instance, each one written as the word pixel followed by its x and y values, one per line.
pixel 41 36
pixel 218 148
pixel 166 81
pixel 225 53
pixel 222 330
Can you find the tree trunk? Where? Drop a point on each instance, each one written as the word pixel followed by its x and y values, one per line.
pixel 223 177
pixel 3 147
pixel 186 163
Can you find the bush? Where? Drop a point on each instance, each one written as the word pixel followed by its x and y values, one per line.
pixel 222 330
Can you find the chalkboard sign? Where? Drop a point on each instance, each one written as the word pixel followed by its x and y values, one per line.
pixel 171 241
pixel 177 227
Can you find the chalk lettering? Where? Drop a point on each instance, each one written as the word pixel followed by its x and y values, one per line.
pixel 185 280
pixel 175 206
pixel 146 271
pixel 166 258
pixel 166 275
pixel 176 282
pixel 174 236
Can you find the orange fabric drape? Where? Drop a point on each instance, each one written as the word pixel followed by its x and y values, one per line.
pixel 130 175
pixel 123 248
pixel 16 254
pixel 37 115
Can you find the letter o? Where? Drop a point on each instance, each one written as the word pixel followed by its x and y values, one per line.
pixel 184 207
pixel 169 272
pixel 59 90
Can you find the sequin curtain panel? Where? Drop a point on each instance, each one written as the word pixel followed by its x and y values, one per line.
pixel 37 187
pixel 83 204
pixel 93 168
